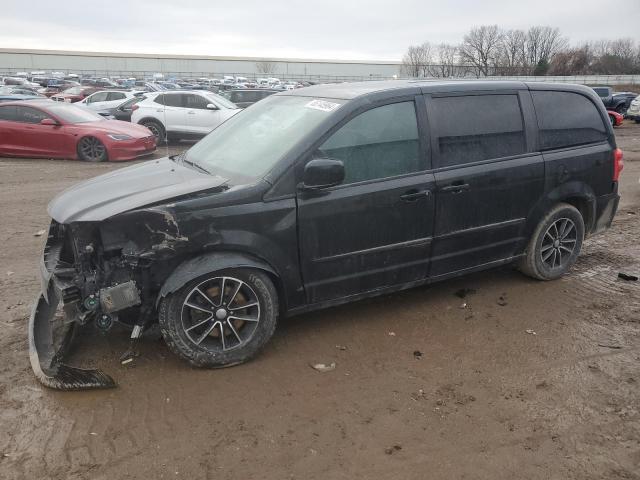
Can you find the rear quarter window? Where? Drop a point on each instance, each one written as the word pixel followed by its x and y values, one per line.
pixel 567 119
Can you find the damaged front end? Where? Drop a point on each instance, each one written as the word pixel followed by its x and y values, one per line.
pixel 102 272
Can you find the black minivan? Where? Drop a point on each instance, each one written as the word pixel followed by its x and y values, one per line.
pixel 321 196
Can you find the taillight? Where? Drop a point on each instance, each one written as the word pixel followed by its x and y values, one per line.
pixel 618 164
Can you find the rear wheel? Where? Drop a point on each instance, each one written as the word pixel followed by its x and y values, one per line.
pixel 157 129
pixel 555 244
pixel 220 319
pixel 90 149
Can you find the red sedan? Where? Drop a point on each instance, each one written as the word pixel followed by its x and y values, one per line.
pixel 74 94
pixel 46 129
pixel 615 118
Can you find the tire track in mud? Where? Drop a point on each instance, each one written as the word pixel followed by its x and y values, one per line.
pixel 595 274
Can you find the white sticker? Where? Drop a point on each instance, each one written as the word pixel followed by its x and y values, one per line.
pixel 322 105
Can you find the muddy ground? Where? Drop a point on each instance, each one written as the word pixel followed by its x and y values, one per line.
pixel 529 380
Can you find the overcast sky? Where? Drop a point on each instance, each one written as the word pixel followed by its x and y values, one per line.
pixel 344 29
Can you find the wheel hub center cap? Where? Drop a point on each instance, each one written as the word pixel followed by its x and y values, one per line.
pixel 556 243
pixel 221 314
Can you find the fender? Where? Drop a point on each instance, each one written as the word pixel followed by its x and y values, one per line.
pixel 569 192
pixel 203 264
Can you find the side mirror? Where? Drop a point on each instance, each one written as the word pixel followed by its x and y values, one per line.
pixel 323 173
pixel 49 121
pixel 211 106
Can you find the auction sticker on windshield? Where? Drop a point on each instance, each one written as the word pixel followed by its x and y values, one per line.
pixel 322 105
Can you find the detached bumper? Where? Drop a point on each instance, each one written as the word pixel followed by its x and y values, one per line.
pixel 52 325
pixel 46 354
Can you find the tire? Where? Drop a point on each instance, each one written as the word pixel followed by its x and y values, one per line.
pixel 637 119
pixel 612 120
pixel 90 149
pixel 157 129
pixel 222 340
pixel 553 249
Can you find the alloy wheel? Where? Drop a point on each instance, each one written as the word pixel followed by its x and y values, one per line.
pixel 559 243
pixel 221 314
pixel 92 149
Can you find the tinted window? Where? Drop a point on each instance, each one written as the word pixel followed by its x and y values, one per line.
pixel 477 127
pixel 116 96
pixel 603 92
pixel 174 100
pixel 195 101
pixel 132 101
pixel 8 113
pixel 29 115
pixel 567 119
pixel 379 143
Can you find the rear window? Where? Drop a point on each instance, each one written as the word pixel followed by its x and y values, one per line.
pixel 567 119
pixel 477 127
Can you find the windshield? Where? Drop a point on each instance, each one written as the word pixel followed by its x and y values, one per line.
pixel 220 100
pixel 73 90
pixel 74 114
pixel 250 143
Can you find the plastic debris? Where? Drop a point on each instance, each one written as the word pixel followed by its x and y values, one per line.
pixel 392 334
pixel 629 278
pixel 417 354
pixel 530 332
pixel 39 233
pixel 321 367
pixel 341 347
pixel 391 450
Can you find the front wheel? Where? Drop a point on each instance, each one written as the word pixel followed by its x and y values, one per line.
pixel 90 149
pixel 555 244
pixel 220 319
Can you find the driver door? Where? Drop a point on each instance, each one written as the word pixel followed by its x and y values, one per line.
pixel 201 120
pixel 374 230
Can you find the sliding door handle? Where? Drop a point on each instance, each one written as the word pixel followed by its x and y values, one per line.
pixel 413 195
pixel 456 188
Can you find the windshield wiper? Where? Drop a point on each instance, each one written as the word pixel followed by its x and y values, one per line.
pixel 199 167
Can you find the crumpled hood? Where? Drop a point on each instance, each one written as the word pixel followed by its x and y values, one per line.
pixel 127 189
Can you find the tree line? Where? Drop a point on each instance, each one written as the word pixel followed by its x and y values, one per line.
pixel 540 50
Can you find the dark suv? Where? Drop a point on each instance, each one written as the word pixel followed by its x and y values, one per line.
pixel 322 196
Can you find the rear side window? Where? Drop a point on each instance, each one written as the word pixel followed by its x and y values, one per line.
pixel 116 96
pixel 379 143
pixel 567 119
pixel 477 127
pixel 195 101
pixel 8 113
pixel 170 100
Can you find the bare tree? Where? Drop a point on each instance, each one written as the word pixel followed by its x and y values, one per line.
pixel 416 61
pixel 542 44
pixel 572 61
pixel 513 52
pixel 480 47
pixel 446 61
pixel 266 66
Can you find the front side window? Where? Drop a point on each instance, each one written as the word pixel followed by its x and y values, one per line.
pixel 473 128
pixel 379 143
pixel 116 96
pixel 567 119
pixel 30 115
pixel 98 97
pixel 195 101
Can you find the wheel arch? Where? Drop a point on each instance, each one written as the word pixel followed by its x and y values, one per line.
pixel 575 193
pixel 150 118
pixel 202 264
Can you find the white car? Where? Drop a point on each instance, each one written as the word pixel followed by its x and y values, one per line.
pixel 175 115
pixel 107 99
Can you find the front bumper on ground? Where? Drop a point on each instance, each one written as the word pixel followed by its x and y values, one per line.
pixel 51 329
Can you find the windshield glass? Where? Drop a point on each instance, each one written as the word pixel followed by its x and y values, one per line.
pixel 220 100
pixel 250 143
pixel 73 114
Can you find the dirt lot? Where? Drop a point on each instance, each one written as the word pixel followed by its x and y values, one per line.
pixel 528 380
